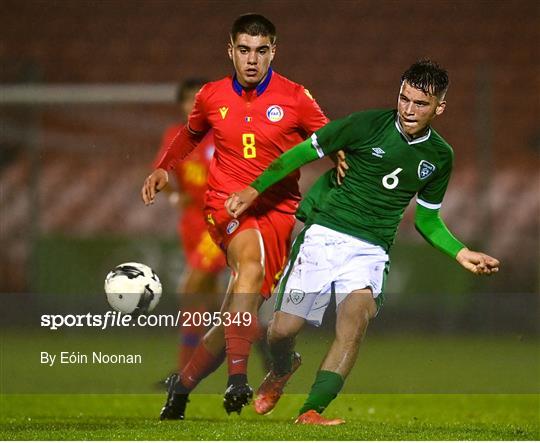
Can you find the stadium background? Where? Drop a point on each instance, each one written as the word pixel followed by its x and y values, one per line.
pixel 72 161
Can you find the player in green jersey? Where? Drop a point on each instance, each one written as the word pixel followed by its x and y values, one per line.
pixel 392 155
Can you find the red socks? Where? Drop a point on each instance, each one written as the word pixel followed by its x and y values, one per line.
pixel 202 364
pixel 238 339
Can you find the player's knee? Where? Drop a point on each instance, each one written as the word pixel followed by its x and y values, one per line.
pixel 367 312
pixel 351 328
pixel 364 314
pixel 280 331
pixel 359 308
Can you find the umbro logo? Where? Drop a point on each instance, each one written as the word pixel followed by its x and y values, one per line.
pixel 377 152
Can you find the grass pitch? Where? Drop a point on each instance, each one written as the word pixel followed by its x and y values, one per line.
pixel 369 417
pixel 394 364
pixel 403 388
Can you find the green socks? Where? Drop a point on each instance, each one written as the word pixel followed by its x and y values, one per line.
pixel 325 388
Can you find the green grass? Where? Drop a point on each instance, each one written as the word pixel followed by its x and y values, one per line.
pixel 369 417
pixel 396 364
pixel 402 388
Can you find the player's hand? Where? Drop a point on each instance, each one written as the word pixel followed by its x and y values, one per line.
pixel 341 166
pixel 477 262
pixel 154 183
pixel 238 202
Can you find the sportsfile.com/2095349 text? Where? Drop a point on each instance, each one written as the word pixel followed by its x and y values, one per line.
pixel 117 319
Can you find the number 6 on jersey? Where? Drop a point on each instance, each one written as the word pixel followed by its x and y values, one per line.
pixel 390 181
pixel 248 140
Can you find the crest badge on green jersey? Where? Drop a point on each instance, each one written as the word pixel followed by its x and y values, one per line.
pixel 425 169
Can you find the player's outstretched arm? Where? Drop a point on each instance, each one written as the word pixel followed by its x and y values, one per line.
pixel 477 262
pixel 280 168
pixel 430 225
pixel 154 183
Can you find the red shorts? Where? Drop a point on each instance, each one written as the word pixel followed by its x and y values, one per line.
pixel 275 228
pixel 200 250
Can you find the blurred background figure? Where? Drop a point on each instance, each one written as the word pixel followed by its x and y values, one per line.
pixel 198 289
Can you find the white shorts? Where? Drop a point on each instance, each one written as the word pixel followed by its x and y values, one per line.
pixel 323 261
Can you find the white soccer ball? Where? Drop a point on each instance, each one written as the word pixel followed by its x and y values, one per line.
pixel 132 288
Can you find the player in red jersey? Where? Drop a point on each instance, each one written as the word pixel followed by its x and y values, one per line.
pixel 255 115
pixel 204 260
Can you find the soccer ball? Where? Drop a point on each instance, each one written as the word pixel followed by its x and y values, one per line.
pixel 132 288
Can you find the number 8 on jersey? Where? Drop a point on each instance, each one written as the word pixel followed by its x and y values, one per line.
pixel 248 140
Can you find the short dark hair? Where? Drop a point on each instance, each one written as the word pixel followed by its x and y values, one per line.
pixel 427 76
pixel 253 24
pixel 189 84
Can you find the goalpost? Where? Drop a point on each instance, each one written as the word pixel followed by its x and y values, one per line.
pixel 76 120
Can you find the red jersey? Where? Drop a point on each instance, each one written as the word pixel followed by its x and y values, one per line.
pixel 251 129
pixel 191 174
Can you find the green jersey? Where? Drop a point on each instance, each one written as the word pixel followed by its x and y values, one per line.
pixel 386 170
pixel 312 201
